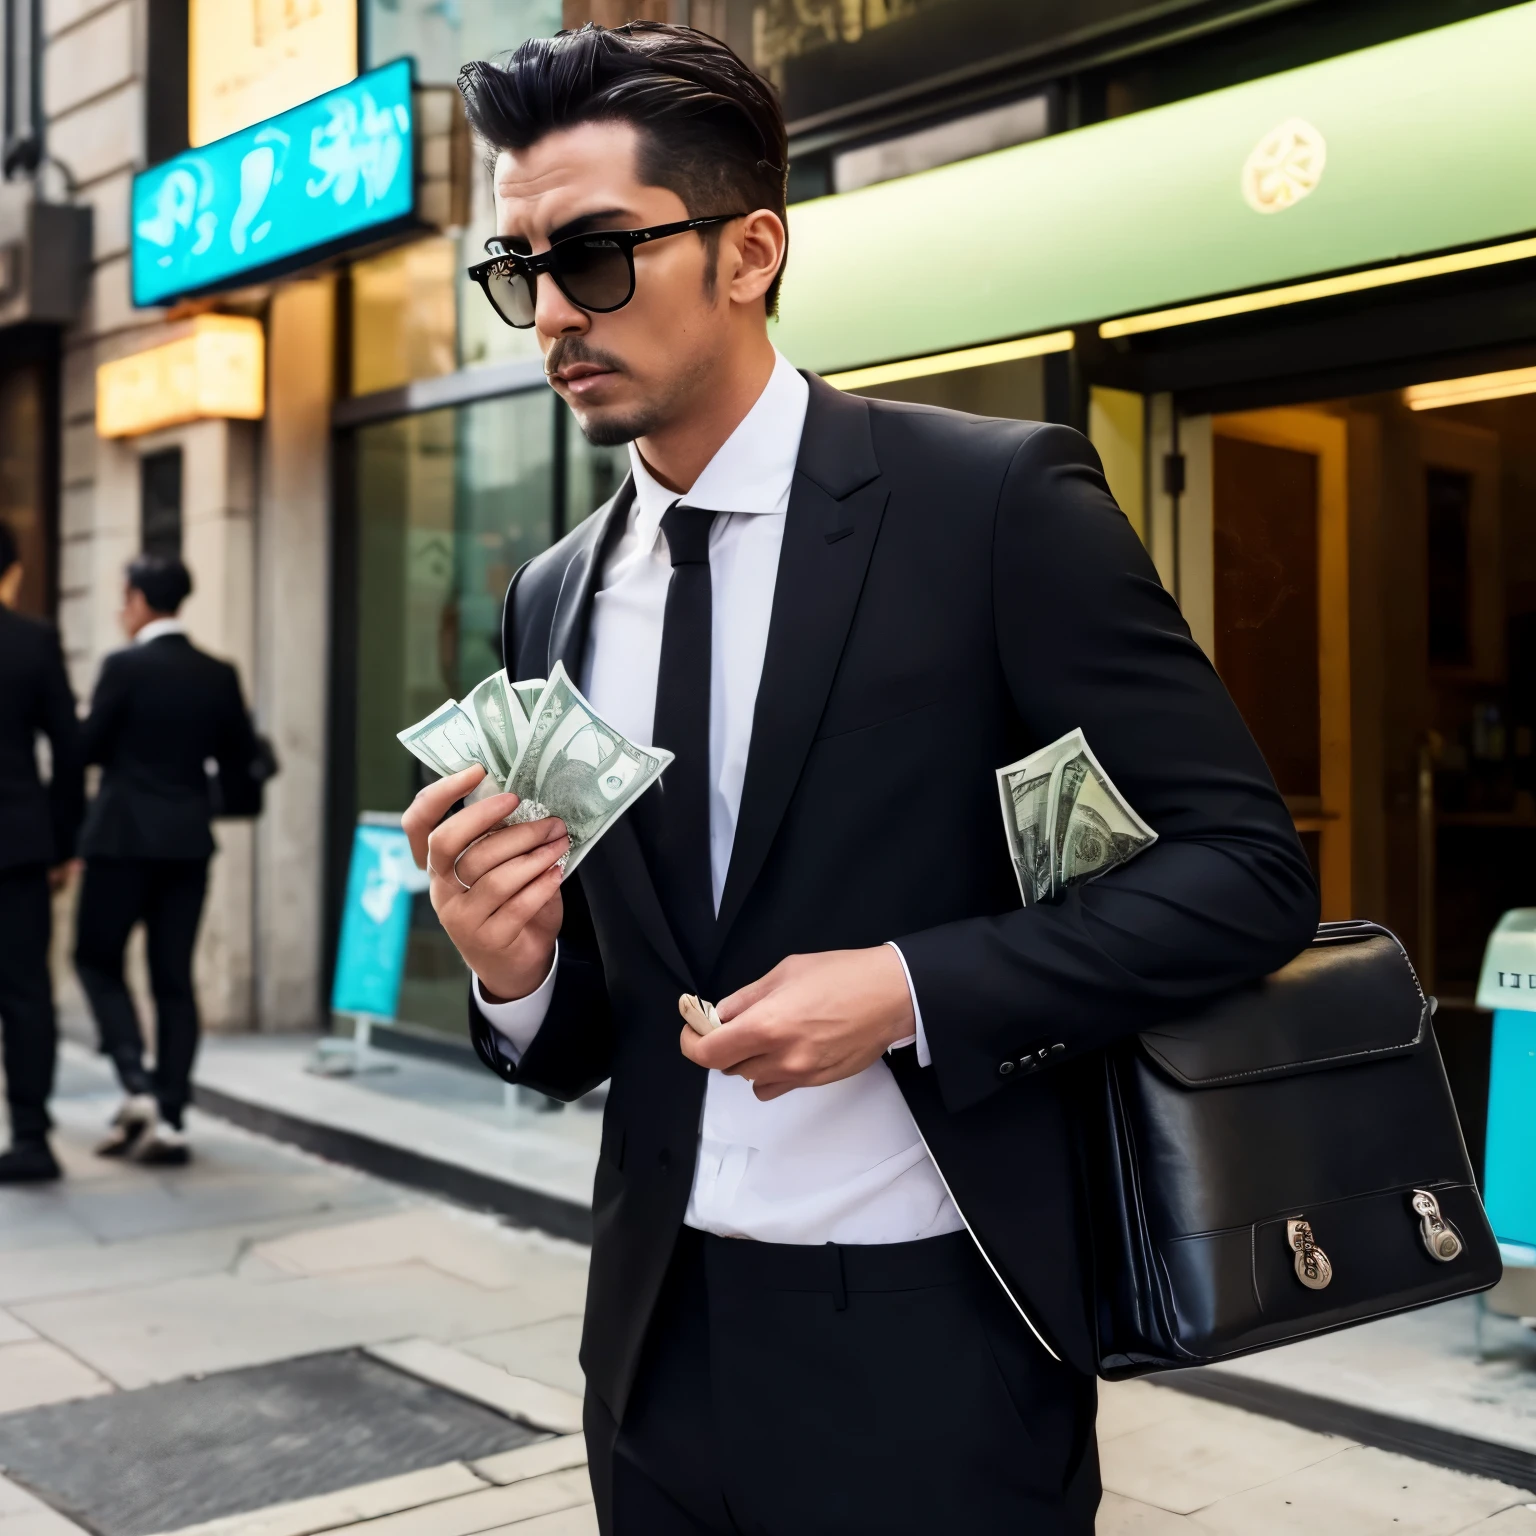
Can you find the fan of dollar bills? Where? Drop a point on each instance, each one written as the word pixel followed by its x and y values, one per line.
pixel 1066 822
pixel 543 741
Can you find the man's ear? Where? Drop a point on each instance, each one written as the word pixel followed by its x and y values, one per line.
pixel 760 241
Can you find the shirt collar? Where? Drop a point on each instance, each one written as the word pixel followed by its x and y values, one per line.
pixel 157 627
pixel 754 466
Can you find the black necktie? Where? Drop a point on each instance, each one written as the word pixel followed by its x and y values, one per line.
pixel 675 827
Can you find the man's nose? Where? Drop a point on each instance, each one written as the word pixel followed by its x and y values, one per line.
pixel 554 314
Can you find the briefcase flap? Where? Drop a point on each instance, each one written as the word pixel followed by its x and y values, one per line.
pixel 1352 997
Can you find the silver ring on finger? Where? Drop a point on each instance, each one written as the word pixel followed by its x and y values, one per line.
pixel 456 875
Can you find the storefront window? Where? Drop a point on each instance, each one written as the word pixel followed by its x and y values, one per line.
pixel 441 34
pixel 414 313
pixel 22 503
pixel 449 504
pixel 404 320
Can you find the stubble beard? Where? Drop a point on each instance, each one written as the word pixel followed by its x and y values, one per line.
pixel 612 429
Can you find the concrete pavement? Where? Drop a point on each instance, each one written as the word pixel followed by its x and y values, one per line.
pixel 135 1289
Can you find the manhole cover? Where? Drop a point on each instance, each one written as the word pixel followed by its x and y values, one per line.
pixel 165 1457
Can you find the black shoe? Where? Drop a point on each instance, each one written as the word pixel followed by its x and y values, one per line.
pixel 28 1162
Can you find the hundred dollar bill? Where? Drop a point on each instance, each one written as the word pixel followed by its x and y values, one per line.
pixel 500 721
pixel 1092 827
pixel 1025 792
pixel 577 767
pixel 445 741
pixel 1066 822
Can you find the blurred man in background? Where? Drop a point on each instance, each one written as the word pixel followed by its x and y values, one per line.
pixel 162 709
pixel 38 823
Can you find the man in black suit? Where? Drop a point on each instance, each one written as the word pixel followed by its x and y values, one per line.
pixel 839 1276
pixel 161 710
pixel 37 839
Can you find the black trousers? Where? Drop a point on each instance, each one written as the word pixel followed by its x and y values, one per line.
pixel 31 1038
pixel 887 1390
pixel 166 895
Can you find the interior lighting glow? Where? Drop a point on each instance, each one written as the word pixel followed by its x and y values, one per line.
pixel 952 362
pixel 217 369
pixel 1319 288
pixel 1482 386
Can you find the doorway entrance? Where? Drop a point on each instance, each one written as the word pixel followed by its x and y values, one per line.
pixel 1362 572
pixel 1280 616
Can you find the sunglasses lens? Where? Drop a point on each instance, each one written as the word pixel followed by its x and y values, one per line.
pixel 595 273
pixel 512 295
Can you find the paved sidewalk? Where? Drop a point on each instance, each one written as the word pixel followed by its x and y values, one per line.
pixel 131 1284
pixel 197 1298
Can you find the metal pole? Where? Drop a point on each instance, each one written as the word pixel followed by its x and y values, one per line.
pixel 8 84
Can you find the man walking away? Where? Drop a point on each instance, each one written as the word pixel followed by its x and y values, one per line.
pixel 162 708
pixel 38 824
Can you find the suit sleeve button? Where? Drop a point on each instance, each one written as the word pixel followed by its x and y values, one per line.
pixel 1004 1068
pixel 664 1157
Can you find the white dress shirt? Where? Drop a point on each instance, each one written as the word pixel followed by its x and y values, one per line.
pixel 157 627
pixel 843 1162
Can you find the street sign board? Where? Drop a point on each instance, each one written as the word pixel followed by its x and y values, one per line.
pixel 248 62
pixel 217 368
pixel 376 919
pixel 336 171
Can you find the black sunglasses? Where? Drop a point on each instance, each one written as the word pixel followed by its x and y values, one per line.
pixel 595 272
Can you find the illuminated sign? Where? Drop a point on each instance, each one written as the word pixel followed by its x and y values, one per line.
pixel 336 171
pixel 251 59
pixel 217 369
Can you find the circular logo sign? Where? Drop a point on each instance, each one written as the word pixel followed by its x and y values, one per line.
pixel 1285 165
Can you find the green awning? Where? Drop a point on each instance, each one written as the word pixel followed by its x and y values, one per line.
pixel 1423 144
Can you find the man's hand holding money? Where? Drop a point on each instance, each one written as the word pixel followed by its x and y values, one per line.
pixel 495 889
pixel 812 1019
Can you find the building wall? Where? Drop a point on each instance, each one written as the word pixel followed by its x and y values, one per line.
pixel 254 518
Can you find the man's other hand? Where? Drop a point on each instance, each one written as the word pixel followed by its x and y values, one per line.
pixel 812 1019
pixel 507 920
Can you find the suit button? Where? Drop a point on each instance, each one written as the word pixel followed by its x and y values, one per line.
pixel 1004 1068
pixel 664 1157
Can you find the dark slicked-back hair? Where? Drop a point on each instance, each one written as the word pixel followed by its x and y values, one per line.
pixel 165 582
pixel 10 551
pixel 711 130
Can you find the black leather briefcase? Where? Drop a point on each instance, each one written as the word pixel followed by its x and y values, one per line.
pixel 1286 1162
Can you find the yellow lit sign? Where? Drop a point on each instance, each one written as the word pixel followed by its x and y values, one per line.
pixel 1320 288
pixel 1482 386
pixel 953 362
pixel 217 369
pixel 251 59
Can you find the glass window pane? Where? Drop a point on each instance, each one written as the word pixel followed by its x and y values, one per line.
pixel 403 315
pixel 592 474
pixel 450 503
pixel 441 34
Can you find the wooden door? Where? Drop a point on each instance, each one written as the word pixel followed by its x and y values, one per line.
pixel 1280 601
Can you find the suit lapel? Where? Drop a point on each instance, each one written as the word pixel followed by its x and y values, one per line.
pixel 617 858
pixel 583 571
pixel 835 508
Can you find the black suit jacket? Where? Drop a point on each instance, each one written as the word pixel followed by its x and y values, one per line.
pixel 37 824
pixel 952 593
pixel 160 711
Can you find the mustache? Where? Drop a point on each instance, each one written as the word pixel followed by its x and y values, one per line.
pixel 575 349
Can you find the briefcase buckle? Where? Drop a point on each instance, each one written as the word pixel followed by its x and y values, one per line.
pixel 1441 1239
pixel 1312 1266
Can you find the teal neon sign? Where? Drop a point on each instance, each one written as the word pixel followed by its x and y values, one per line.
pixel 331 173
